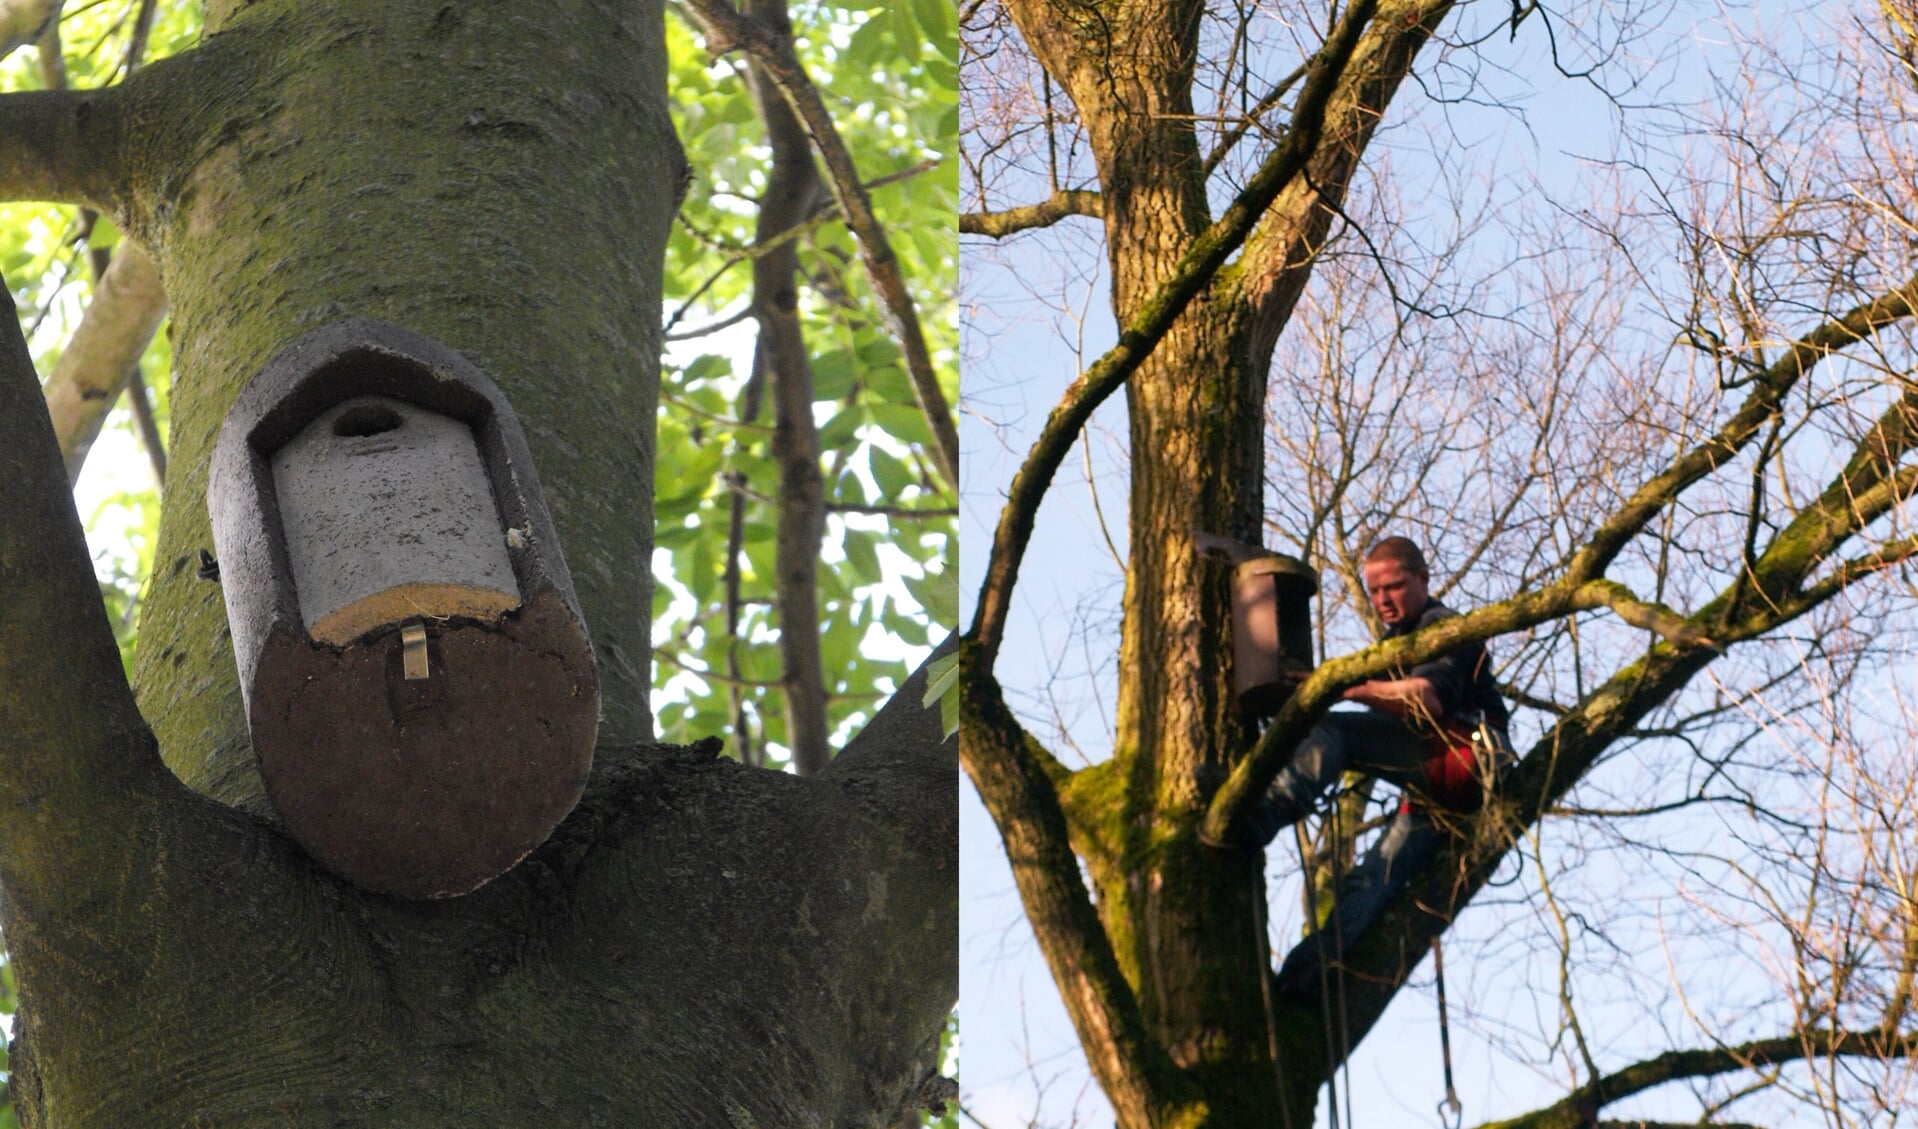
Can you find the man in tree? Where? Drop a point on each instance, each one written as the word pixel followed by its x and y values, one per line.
pixel 1425 730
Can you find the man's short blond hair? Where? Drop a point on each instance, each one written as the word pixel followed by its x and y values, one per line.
pixel 1403 550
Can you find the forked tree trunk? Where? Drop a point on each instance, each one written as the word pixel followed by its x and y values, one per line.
pixel 1184 921
pixel 700 944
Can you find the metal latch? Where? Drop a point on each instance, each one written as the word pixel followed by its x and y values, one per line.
pixel 413 650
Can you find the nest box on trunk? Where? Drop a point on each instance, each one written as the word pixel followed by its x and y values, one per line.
pixel 417 676
pixel 1271 620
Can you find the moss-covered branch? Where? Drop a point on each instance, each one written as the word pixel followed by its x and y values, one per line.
pixel 62 146
pixel 1580 1107
pixel 1280 257
pixel 1761 406
pixel 73 746
pixel 1060 205
pixel 1870 486
pixel 1195 271
pixel 1321 691
pixel 1019 783
pixel 1548 771
pixel 1380 964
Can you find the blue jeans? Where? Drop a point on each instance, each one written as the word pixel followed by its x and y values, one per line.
pixel 1376 744
pixel 1405 849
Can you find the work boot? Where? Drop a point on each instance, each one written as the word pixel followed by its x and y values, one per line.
pixel 1278 809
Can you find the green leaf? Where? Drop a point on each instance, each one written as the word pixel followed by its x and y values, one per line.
pixel 843 427
pixel 942 689
pixel 676 536
pixel 891 384
pixel 938 593
pixel 892 475
pixel 908 425
pixel 707 366
pixel 861 555
pixel 833 374
pixel 105 236
pixel 849 490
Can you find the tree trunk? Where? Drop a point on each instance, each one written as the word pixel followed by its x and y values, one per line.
pixel 520 220
pixel 500 177
pixel 1183 921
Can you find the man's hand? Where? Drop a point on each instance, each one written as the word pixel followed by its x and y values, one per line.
pixel 1413 699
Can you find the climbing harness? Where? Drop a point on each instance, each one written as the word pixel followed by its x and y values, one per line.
pixel 1492 749
pixel 1451 1103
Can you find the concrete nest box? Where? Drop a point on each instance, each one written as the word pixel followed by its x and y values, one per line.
pixel 1271 619
pixel 417 676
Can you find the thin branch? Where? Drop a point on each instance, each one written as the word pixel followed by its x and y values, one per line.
pixel 1250 118
pixel 897 512
pixel 1060 205
pixel 126 310
pixel 1578 1107
pixel 715 327
pixel 147 424
pixel 1766 399
pixel 726 30
pixel 782 357
pixel 1887 556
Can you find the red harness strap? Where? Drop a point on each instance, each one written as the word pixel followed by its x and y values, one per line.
pixel 1451 771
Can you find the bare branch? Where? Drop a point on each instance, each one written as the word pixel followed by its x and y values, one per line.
pixel 1579 1107
pixel 1060 205
pixel 1760 407
pixel 782 358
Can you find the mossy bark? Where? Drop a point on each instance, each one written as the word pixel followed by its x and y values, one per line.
pixel 1181 919
pixel 500 177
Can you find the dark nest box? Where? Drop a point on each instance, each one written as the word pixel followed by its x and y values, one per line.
pixel 416 672
pixel 1271 620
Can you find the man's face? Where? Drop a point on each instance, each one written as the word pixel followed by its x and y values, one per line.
pixel 1398 594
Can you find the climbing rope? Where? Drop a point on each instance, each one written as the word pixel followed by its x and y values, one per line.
pixel 1338 949
pixel 1325 1010
pixel 1451 1103
pixel 1265 994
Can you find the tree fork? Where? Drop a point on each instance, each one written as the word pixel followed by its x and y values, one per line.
pixel 180 961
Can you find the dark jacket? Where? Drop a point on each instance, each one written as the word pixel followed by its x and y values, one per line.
pixel 1462 676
